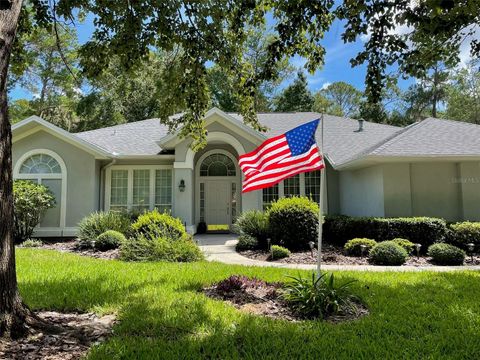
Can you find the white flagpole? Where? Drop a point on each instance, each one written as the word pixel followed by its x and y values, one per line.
pixel 322 190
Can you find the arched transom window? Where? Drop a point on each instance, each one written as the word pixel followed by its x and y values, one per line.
pixel 217 165
pixel 40 164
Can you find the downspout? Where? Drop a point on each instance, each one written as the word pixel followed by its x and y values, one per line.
pixel 102 182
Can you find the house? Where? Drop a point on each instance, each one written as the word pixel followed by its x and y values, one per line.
pixel 430 168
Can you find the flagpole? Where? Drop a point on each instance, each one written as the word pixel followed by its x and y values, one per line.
pixel 320 211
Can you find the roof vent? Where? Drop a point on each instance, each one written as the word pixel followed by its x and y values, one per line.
pixel 360 125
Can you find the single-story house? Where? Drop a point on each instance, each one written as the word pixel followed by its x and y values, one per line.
pixel 430 168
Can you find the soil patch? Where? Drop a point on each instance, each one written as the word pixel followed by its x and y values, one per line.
pixel 75 334
pixel 72 247
pixel 262 298
pixel 334 255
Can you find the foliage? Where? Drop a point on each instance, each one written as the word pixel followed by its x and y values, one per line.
pixel 31 243
pixel 97 223
pixel 293 222
pixel 108 240
pixel 278 252
pixel 388 253
pixel 246 242
pixel 354 247
pixel 295 97
pixel 344 99
pixel 30 202
pixel 446 254
pixel 319 297
pixel 144 248
pixel 154 224
pixel 238 282
pixel 404 243
pixel 464 233
pixel 422 230
pixel 255 224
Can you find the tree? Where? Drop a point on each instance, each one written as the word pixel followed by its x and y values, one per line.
pixel 345 99
pixel 295 97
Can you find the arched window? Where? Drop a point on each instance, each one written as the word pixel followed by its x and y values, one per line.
pixel 40 164
pixel 217 165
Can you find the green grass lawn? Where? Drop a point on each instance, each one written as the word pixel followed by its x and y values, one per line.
pixel 163 316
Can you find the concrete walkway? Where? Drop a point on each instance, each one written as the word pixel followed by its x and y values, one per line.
pixel 221 248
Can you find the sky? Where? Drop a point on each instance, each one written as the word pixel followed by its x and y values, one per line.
pixel 337 62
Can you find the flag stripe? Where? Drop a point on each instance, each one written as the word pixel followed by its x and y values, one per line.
pixel 252 156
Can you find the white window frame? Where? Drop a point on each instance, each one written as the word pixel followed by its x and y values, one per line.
pixel 130 168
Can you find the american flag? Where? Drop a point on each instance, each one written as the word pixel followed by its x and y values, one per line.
pixel 280 157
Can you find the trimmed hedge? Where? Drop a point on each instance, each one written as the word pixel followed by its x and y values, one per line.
pixel 95 224
pixel 463 233
pixel 293 222
pixel 154 224
pixel 446 254
pixel 253 223
pixel 354 247
pixel 109 240
pixel 246 242
pixel 388 253
pixel 423 230
pixel 404 243
pixel 279 252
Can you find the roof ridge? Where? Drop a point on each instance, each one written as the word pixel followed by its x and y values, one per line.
pixel 451 121
pixel 116 126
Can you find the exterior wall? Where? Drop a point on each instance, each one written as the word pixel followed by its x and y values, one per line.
pixel 397 190
pixel 82 173
pixel 333 191
pixel 361 192
pixel 470 190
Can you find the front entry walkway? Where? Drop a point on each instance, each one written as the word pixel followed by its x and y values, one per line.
pixel 221 248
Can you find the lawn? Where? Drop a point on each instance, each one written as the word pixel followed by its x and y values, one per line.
pixel 163 316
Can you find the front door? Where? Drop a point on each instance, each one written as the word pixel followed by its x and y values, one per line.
pixel 217 204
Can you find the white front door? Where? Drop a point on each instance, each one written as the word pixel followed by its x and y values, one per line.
pixel 217 202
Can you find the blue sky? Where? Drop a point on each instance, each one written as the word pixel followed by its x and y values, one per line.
pixel 337 63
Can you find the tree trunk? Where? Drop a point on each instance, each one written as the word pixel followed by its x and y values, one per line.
pixel 13 313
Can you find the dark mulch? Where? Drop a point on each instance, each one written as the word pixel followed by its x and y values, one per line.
pixel 263 298
pixel 334 255
pixel 73 336
pixel 72 246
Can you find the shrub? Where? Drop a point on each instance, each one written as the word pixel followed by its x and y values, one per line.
pixel 95 224
pixel 293 222
pixel 313 298
pixel 422 230
pixel 464 233
pixel 30 202
pixel 255 224
pixel 446 254
pixel 354 247
pixel 246 242
pixel 238 282
pixel 31 243
pixel 110 239
pixel 154 224
pixel 406 244
pixel 388 253
pixel 279 252
pixel 160 249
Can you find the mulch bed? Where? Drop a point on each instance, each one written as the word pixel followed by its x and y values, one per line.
pixel 258 297
pixel 72 247
pixel 335 256
pixel 74 335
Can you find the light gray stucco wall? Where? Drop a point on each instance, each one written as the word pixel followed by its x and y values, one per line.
pixel 397 189
pixel 470 183
pixel 333 192
pixel 361 192
pixel 82 173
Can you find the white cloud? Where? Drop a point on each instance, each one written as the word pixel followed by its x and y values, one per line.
pixel 326 85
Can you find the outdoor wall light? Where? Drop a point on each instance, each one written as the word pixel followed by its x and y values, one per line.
pixel 417 248
pixel 312 245
pixel 181 186
pixel 471 247
pixel 363 249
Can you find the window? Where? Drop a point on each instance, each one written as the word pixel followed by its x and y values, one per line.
pixel 312 185
pixel 163 190
pixel 141 190
pixel 217 165
pixel 119 190
pixel 270 195
pixel 40 164
pixel 291 186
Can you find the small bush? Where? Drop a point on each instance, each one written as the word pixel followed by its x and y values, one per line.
pixel 255 224
pixel 406 244
pixel 154 224
pixel 388 253
pixel 464 233
pixel 293 222
pixel 246 242
pixel 319 298
pixel 95 224
pixel 354 247
pixel 160 249
pixel 279 252
pixel 238 282
pixel 30 202
pixel 109 240
pixel 31 243
pixel 446 254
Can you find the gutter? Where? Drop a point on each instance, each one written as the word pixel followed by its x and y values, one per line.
pixel 101 202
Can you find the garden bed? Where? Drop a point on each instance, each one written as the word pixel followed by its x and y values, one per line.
pixel 332 255
pixel 263 298
pixel 71 246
